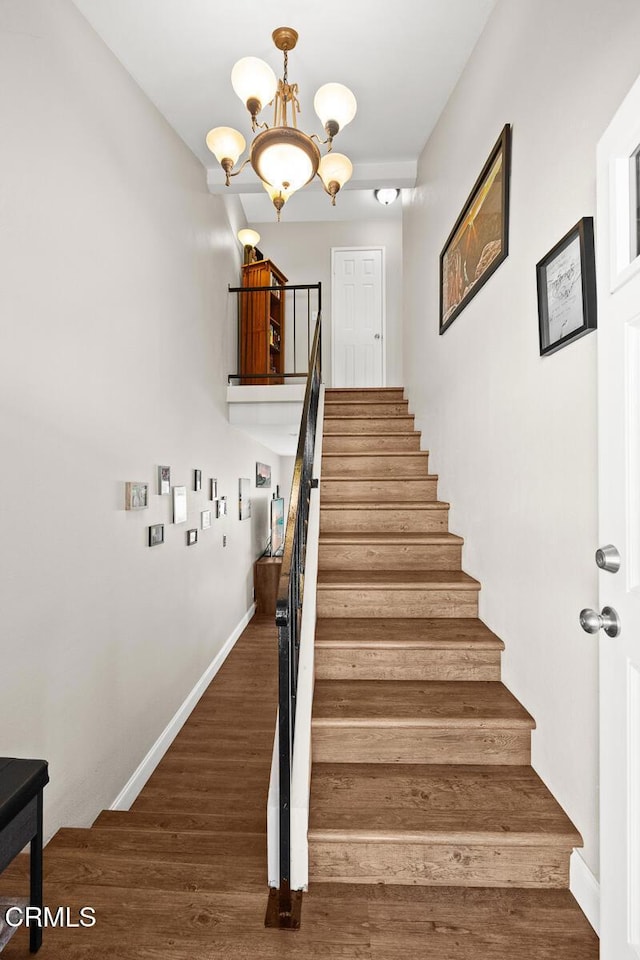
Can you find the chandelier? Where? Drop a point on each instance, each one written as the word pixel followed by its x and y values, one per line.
pixel 284 157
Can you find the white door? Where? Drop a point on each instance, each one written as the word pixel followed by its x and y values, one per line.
pixel 357 326
pixel 618 242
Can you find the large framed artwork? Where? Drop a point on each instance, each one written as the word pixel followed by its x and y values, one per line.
pixel 567 289
pixel 479 241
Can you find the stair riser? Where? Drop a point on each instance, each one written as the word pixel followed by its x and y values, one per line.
pixel 390 408
pixel 389 556
pixel 398 466
pixel 334 663
pixel 366 425
pixel 439 864
pixel 335 394
pixel 385 603
pixel 394 443
pixel 374 490
pixel 346 743
pixel 383 521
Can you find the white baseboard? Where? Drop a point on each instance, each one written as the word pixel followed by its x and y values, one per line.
pixel 586 889
pixel 142 773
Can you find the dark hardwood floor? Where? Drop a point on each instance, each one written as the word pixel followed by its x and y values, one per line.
pixel 182 875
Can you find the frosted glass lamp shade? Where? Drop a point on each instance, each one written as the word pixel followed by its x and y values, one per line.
pixel 225 143
pixel 249 238
pixel 285 158
pixel 254 80
pixel 335 168
pixel 335 103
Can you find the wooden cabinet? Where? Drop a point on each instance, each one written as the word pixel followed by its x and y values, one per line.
pixel 261 324
pixel 266 577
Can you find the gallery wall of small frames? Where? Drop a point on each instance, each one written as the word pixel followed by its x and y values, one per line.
pixel 138 494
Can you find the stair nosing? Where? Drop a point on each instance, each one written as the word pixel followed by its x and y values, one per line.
pixel 448 838
pixel 413 723
pixel 391 539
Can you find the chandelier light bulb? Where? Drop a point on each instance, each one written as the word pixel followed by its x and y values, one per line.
pixel 335 170
pixel 336 107
pixel 255 83
pixel 277 196
pixel 226 144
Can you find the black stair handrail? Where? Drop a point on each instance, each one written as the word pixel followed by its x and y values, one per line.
pixel 284 904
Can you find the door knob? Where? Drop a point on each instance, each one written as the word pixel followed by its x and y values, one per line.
pixel 608 620
pixel 376 336
pixel 608 558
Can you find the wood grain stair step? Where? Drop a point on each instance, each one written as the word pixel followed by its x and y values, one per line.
pixel 406 649
pixel 354 516
pixel 437 824
pixel 367 489
pixel 333 394
pixel 238 820
pixel 389 551
pixel 368 408
pixel 370 442
pixel 366 425
pixel 384 463
pixel 397 593
pixel 417 721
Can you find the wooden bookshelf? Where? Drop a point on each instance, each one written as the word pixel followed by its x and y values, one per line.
pixel 262 317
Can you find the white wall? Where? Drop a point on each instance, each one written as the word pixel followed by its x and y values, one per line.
pixel 117 339
pixel 303 253
pixel 513 436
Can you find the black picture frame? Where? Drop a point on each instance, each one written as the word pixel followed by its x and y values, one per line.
pixel 192 537
pixel 471 255
pixel 197 480
pixel 155 536
pixel 566 280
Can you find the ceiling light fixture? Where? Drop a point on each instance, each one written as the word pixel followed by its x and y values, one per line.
pixel 387 195
pixel 284 157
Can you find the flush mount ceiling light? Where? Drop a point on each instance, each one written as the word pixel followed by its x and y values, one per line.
pixel 284 157
pixel 386 195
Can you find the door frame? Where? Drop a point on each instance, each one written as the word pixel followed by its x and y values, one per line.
pixel 383 333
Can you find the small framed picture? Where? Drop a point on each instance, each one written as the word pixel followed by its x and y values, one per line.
pixel 213 489
pixel 567 289
pixel 205 519
pixel 221 507
pixel 244 500
pixel 179 504
pixel 164 481
pixel 136 495
pixel 197 479
pixel 192 537
pixel 263 475
pixel 156 534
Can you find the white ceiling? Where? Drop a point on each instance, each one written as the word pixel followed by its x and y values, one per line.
pixel 401 60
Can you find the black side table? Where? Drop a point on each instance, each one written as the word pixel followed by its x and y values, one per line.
pixel 21 786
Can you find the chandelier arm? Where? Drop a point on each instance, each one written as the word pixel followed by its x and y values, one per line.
pixel 323 143
pixel 235 173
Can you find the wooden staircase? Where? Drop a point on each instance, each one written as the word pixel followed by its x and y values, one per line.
pixel 421 756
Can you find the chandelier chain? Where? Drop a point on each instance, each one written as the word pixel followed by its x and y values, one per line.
pixel 286 66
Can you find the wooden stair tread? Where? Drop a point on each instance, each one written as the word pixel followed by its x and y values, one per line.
pixel 432 803
pixel 348 478
pixel 418 633
pixel 184 847
pixel 390 538
pixel 345 504
pixel 360 416
pixel 355 454
pixel 400 579
pixel 417 703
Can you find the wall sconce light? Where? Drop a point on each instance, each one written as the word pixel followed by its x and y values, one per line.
pixel 249 240
pixel 387 195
